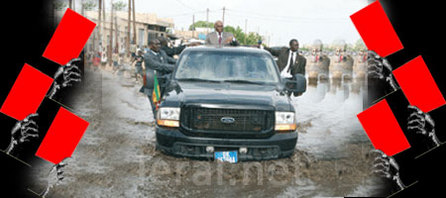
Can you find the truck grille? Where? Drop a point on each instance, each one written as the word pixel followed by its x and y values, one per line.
pixel 235 120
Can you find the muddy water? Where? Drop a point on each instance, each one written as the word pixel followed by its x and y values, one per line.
pixel 117 155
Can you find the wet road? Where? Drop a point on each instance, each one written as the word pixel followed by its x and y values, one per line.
pixel 117 156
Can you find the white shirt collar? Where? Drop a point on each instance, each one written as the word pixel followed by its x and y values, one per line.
pixel 154 52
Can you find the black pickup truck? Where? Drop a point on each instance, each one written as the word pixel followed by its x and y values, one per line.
pixel 227 103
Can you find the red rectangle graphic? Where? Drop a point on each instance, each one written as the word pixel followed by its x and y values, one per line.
pixel 62 137
pixel 418 85
pixel 383 129
pixel 69 38
pixel 27 93
pixel 376 30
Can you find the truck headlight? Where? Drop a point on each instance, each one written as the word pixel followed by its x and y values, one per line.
pixel 285 121
pixel 168 116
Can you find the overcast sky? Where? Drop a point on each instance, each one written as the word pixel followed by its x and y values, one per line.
pixel 281 20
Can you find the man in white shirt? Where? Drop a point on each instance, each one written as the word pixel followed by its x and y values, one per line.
pixel 286 72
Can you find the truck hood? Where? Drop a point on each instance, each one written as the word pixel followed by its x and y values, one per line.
pixel 268 97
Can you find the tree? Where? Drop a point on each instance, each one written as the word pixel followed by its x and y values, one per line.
pixel 229 29
pixel 89 5
pixel 239 34
pixel 359 45
pixel 119 6
pixel 60 5
pixel 202 24
pixel 244 39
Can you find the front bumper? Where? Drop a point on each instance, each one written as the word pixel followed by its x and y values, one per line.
pixel 172 141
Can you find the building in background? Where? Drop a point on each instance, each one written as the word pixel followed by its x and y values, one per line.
pixel 148 26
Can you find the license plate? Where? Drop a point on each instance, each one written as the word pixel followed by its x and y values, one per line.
pixel 226 156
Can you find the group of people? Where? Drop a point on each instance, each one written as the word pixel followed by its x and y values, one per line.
pixel 100 59
pixel 159 61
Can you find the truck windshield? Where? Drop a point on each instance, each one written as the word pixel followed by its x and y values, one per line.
pixel 227 66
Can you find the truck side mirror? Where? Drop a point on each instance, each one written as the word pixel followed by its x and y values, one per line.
pixel 298 86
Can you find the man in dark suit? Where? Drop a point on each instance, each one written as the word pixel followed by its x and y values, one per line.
pixel 156 61
pixel 289 61
pixel 170 51
pixel 219 37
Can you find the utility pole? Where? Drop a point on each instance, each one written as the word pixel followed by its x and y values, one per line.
pixel 223 19
pixel 100 24
pixel 82 8
pixel 134 21
pixel 128 27
pixel 246 30
pixel 207 20
pixel 116 34
pixel 104 24
pixel 268 40
pixel 272 35
pixel 110 46
pixel 193 26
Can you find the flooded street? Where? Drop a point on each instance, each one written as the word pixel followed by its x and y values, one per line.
pixel 117 157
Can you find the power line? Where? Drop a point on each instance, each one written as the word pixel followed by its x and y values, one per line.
pixel 282 17
pixel 180 2
pixel 191 13
pixel 290 20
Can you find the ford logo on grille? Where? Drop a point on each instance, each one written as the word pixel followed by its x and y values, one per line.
pixel 227 120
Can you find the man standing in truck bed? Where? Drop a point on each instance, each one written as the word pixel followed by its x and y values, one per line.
pixel 219 37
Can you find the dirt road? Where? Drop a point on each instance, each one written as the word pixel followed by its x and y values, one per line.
pixel 117 156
